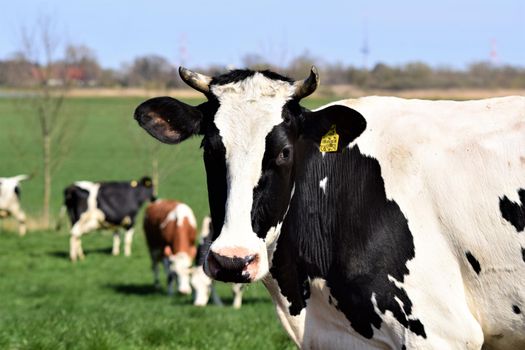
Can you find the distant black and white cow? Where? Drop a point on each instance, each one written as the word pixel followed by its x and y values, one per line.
pixel 203 284
pixel 10 200
pixel 374 223
pixel 95 205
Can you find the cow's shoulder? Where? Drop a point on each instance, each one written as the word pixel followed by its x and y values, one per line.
pixel 116 186
pixel 88 186
pixel 345 237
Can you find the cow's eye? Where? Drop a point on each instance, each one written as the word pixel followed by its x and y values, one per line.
pixel 284 156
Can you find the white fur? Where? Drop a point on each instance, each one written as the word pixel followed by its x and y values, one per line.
pixel 322 184
pixel 180 265
pixel 202 285
pixel 128 240
pixel 205 228
pixel 446 164
pixel 89 220
pixel 9 201
pixel 248 111
pixel 181 212
pixel 293 325
pixel 324 324
pixel 116 243
pixel 92 218
pixel 237 289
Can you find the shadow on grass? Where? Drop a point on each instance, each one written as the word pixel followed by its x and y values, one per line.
pixel 177 299
pixel 135 289
pixel 149 289
pixel 65 254
pixel 245 301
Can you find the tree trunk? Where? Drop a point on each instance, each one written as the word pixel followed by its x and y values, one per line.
pixel 155 175
pixel 47 178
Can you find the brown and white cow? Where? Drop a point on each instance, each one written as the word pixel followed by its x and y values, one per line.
pixel 171 230
pixel 10 200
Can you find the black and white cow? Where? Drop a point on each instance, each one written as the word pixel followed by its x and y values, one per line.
pixel 409 235
pixel 95 205
pixel 10 200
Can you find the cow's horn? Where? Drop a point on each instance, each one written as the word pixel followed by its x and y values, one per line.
pixel 307 87
pixel 199 82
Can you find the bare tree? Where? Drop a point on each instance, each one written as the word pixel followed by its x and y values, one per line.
pixel 83 65
pixel 159 160
pixel 151 71
pixel 39 46
pixel 16 71
pixel 256 62
pixel 301 64
pixel 161 170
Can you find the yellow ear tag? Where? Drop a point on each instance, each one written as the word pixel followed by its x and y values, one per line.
pixel 133 183
pixel 330 141
pixel 147 183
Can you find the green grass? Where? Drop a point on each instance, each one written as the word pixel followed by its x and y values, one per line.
pixel 108 302
pixel 105 144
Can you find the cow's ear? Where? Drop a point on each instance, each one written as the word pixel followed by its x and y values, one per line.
pixel 168 120
pixel 333 127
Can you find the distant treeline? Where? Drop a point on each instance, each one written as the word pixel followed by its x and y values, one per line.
pixel 80 67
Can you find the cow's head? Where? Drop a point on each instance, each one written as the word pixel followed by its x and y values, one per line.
pixel 253 131
pixel 179 266
pixel 144 188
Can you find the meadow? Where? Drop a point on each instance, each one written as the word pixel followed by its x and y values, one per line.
pixel 108 302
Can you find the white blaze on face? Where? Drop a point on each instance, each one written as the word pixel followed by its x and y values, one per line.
pixel 248 111
pixel 201 284
pixel 180 265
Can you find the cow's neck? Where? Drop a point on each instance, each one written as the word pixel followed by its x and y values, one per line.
pixel 342 229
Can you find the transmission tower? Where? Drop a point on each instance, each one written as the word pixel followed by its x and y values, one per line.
pixel 493 55
pixel 365 48
pixel 183 49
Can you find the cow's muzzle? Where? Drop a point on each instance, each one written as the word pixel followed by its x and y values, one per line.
pixel 232 265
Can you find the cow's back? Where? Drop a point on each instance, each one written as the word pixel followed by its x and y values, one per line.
pixel 456 170
pixel 163 227
pixel 118 202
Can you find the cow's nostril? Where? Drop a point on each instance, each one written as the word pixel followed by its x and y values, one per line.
pixel 230 268
pixel 249 259
pixel 228 263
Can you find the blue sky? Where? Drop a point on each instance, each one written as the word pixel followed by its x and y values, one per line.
pixel 443 33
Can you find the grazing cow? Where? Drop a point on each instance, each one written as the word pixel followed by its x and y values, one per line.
pixel 95 205
pixel 374 223
pixel 171 231
pixel 201 283
pixel 10 200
